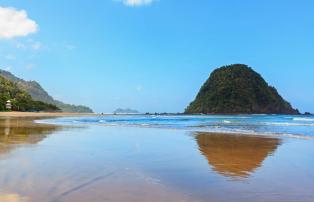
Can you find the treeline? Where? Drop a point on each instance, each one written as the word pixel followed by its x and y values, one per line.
pixel 20 100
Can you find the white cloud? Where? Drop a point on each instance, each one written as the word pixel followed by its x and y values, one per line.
pixel 20 45
pixel 70 47
pixel 30 67
pixel 139 88
pixel 10 57
pixel 137 2
pixel 8 68
pixel 29 44
pixel 36 45
pixel 15 23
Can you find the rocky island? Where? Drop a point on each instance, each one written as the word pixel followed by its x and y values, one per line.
pixel 126 111
pixel 237 89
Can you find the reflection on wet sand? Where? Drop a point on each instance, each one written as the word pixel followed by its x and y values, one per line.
pixel 146 164
pixel 235 156
pixel 78 167
pixel 15 131
pixel 12 198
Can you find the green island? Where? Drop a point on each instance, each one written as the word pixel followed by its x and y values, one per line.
pixel 237 89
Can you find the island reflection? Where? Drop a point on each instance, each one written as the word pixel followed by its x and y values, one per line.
pixel 235 156
pixel 21 131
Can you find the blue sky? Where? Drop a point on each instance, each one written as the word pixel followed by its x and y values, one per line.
pixel 154 55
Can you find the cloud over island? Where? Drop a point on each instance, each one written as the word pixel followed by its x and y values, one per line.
pixel 15 23
pixel 136 3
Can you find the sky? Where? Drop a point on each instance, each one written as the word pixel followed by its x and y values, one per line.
pixel 154 55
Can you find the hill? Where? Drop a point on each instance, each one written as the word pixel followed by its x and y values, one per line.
pixel 39 94
pixel 238 89
pixel 21 100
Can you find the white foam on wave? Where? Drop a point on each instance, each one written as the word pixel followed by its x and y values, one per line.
pixel 288 124
pixel 231 126
pixel 303 119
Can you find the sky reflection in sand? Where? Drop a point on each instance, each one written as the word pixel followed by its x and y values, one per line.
pixel 4 197
pixel 96 163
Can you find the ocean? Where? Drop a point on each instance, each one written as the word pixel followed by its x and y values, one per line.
pixel 298 126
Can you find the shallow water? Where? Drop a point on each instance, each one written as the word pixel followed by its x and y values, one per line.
pixel 46 163
pixel 276 125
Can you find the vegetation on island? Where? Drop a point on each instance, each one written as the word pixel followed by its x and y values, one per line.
pixel 238 89
pixel 20 100
pixel 35 90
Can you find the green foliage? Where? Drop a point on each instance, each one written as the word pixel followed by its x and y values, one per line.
pixel 238 89
pixel 20 100
pixel 73 108
pixel 39 94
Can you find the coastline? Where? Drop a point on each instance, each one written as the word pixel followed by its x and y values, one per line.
pixel 44 114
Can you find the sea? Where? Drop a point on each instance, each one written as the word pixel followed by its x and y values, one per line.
pixel 296 126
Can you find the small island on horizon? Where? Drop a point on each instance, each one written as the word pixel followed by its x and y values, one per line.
pixel 126 111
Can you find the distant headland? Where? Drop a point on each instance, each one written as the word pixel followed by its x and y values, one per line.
pixel 238 89
pixel 30 96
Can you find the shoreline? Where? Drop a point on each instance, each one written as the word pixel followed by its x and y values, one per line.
pixel 45 114
pixel 77 114
pixel 37 116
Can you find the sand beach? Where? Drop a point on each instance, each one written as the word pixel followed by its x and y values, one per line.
pixel 57 163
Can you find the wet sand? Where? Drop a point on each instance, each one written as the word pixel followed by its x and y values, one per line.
pixel 48 163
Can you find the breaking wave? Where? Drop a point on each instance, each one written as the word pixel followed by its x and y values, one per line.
pixel 275 125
